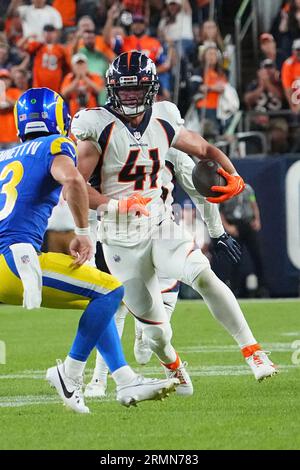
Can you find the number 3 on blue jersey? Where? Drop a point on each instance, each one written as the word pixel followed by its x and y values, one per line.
pixel 16 171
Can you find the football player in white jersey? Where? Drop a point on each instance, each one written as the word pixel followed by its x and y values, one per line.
pixel 127 142
pixel 179 166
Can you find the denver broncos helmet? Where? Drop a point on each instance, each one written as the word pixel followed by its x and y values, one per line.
pixel 132 71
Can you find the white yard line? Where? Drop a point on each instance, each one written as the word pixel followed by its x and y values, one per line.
pixel 207 349
pixel 292 334
pixel 273 347
pixel 148 370
pixel 195 371
pixel 27 400
pixel 250 301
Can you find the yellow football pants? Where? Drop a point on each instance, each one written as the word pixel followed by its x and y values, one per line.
pixel 64 286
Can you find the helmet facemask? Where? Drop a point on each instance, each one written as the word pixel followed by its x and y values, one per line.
pixel 131 95
pixel 137 101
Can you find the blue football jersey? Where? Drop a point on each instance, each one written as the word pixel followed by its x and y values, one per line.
pixel 28 192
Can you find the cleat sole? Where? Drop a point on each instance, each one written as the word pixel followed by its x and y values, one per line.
pixel 268 376
pixel 160 395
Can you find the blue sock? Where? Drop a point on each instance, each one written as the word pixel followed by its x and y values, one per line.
pixel 110 347
pixel 93 322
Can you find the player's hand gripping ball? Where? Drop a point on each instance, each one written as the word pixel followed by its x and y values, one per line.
pixel 214 183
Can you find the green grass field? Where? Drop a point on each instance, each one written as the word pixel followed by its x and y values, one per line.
pixel 229 409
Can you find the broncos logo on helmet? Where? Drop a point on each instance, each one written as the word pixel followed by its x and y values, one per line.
pixel 132 83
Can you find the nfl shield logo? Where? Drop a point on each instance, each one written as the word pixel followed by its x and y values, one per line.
pixel 117 258
pixel 25 259
pixel 137 135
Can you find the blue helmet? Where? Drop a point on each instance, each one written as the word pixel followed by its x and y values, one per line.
pixel 41 110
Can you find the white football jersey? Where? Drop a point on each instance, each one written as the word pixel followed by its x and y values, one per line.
pixel 132 160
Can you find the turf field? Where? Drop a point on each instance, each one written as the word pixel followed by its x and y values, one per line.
pixel 229 409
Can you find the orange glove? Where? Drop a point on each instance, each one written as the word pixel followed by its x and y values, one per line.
pixel 134 204
pixel 235 185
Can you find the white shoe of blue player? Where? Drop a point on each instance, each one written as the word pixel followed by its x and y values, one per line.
pixel 68 389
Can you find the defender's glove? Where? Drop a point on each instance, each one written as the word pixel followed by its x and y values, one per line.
pixel 135 204
pixel 227 246
pixel 235 185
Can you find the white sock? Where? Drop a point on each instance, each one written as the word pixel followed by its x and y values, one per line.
pixel 224 307
pixel 124 375
pixel 101 369
pixel 73 368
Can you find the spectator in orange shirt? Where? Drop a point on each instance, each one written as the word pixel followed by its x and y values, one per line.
pixel 81 88
pixel 137 40
pixel 291 78
pixel 50 59
pixel 8 97
pixel 212 86
pixel 67 10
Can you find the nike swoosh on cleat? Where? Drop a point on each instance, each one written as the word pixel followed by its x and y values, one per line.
pixel 67 394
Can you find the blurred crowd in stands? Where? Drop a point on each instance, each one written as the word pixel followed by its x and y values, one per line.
pixel 68 45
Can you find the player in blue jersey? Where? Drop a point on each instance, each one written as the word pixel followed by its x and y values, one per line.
pixel 32 176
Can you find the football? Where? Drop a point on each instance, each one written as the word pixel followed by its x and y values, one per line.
pixel 205 176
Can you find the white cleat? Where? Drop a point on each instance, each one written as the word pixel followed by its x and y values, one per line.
pixel 185 387
pixel 68 389
pixel 142 389
pixel 95 389
pixel 142 351
pixel 261 365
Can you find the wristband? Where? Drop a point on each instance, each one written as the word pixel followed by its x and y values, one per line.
pixel 82 231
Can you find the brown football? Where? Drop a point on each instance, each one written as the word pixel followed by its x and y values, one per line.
pixel 205 176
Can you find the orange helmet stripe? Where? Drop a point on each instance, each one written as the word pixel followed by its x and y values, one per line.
pixel 129 54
